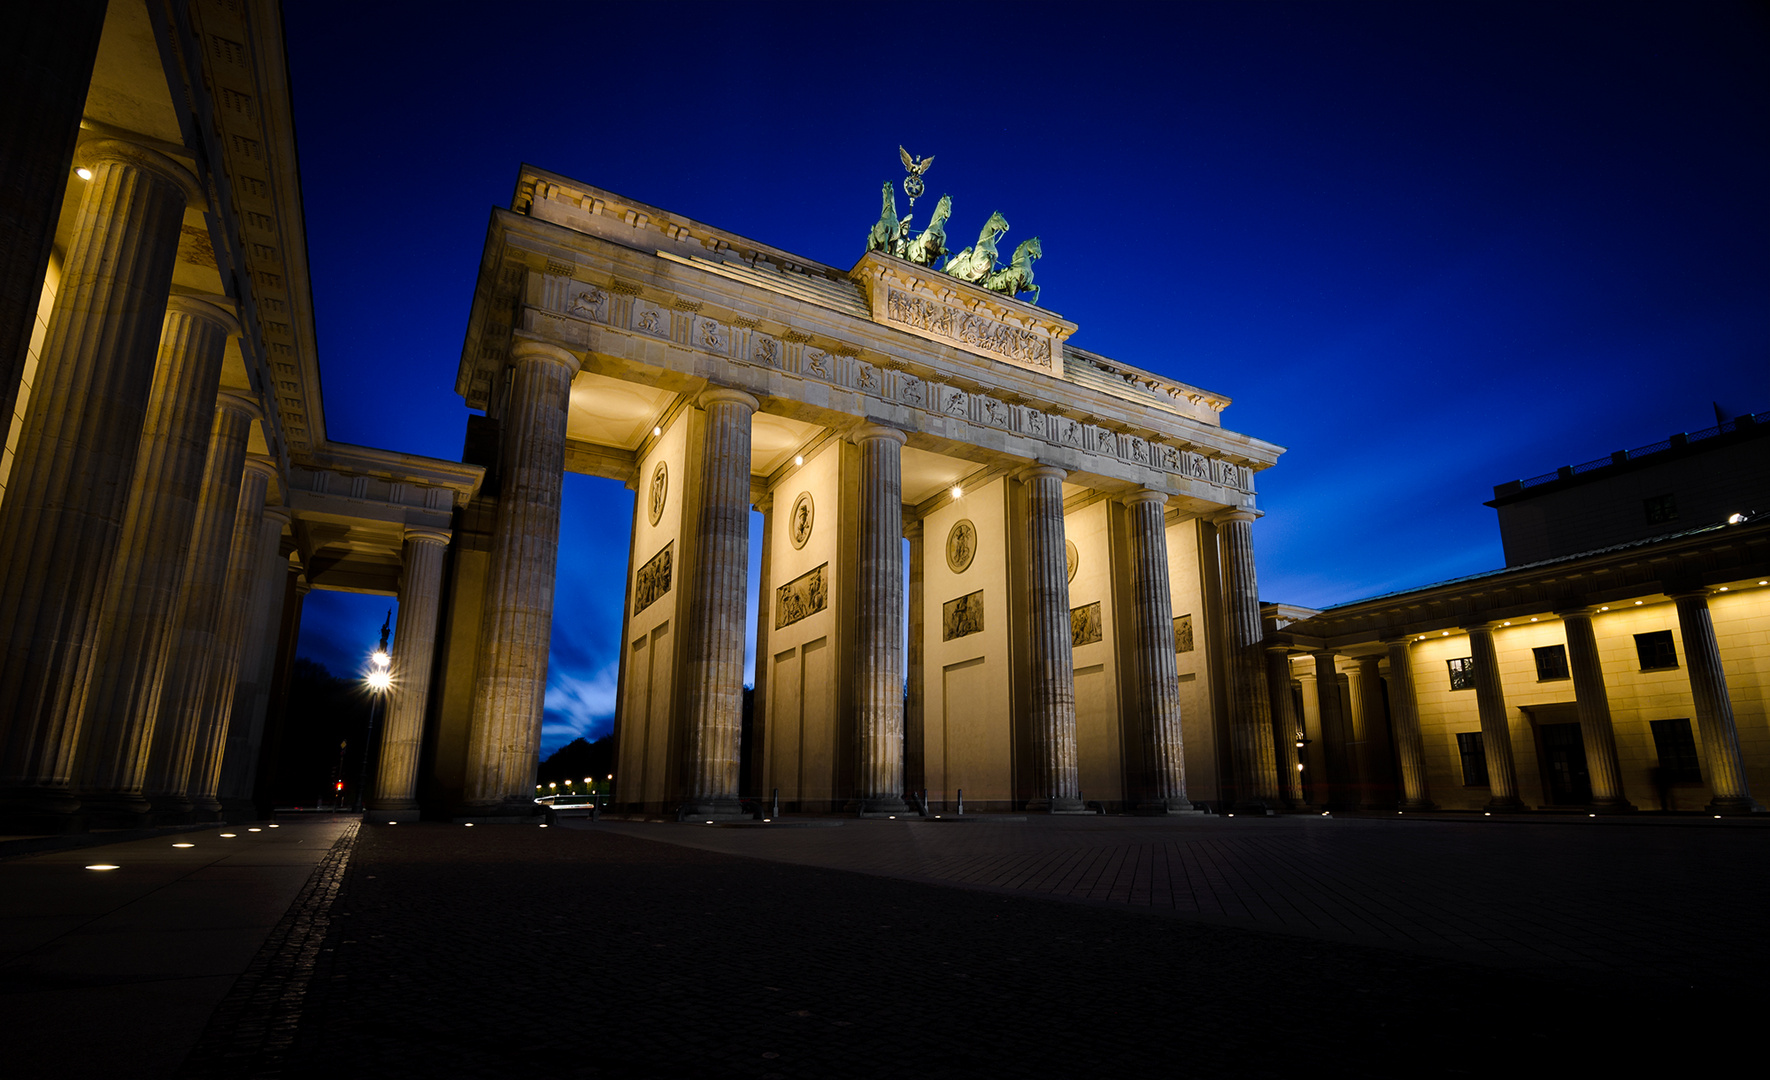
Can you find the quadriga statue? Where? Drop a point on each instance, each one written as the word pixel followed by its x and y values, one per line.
pixel 887 234
pixel 1017 276
pixel 927 248
pixel 974 262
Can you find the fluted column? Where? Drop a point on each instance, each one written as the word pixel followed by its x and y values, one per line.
pixel 414 647
pixel 1496 733
pixel 1158 680
pixel 239 768
pixel 716 651
pixel 1250 709
pixel 915 762
pixel 1371 733
pixel 134 636
pixel 1340 783
pixel 517 626
pixel 222 678
pixel 1596 730
pixel 178 718
pixel 69 487
pixel 878 684
pixel 1404 711
pixel 1724 767
pixel 1055 769
pixel 1287 726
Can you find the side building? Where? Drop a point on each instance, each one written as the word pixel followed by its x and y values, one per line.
pixel 1619 661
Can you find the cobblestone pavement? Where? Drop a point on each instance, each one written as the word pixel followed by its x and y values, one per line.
pixel 519 951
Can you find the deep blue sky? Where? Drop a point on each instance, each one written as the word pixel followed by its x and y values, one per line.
pixel 1428 247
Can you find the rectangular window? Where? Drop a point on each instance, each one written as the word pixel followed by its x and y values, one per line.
pixel 1660 509
pixel 1462 673
pixel 1551 662
pixel 1656 650
pixel 1677 751
pixel 1474 758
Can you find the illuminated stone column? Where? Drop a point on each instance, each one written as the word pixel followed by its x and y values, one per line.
pixel 69 487
pixel 715 668
pixel 1724 768
pixel 1250 709
pixel 414 648
pixel 129 662
pixel 239 768
pixel 1158 681
pixel 1053 701
pixel 915 762
pixel 1287 726
pixel 1340 784
pixel 517 626
pixel 222 678
pixel 1496 734
pixel 1404 712
pixel 177 722
pixel 1596 730
pixel 878 680
pixel 1370 736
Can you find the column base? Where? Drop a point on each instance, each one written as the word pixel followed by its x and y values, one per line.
pixel 1166 806
pixel 726 809
pixel 1742 805
pixel 883 806
pixel 1057 806
pixel 1510 804
pixel 126 810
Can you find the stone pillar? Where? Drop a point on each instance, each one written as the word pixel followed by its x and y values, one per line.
pixel 878 683
pixel 760 758
pixel 715 669
pixel 1596 730
pixel 1158 682
pixel 1404 711
pixel 1496 734
pixel 915 761
pixel 1250 709
pixel 1724 767
pixel 178 717
pixel 1287 726
pixel 239 770
pixel 1053 697
pixel 414 648
pixel 1371 733
pixel 46 55
pixel 222 678
pixel 517 626
pixel 69 487
pixel 1340 783
pixel 129 661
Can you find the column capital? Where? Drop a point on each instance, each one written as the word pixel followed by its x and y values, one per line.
pixel 424 534
pixel 1224 517
pixel 715 394
pixel 1478 626
pixel 540 350
pixel 912 529
pixel 1702 594
pixel 1321 654
pixel 1398 639
pixel 1033 472
pixel 94 151
pixel 261 465
pixel 282 515
pixel 1145 495
pixel 1279 650
pixel 1577 609
pixel 239 402
pixel 869 432
pixel 202 309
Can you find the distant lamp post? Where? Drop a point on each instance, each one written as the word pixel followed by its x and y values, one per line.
pixel 378 680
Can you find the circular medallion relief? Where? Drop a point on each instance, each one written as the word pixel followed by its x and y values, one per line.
pixel 1071 557
pixel 961 545
pixel 799 527
pixel 660 489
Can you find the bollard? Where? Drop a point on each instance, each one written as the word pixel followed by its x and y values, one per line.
pixel 776 815
pixel 961 802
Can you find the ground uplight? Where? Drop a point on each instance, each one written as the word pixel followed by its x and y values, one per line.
pixel 104 866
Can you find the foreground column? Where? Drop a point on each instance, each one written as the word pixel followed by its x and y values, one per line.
pixel 1371 733
pixel 1341 779
pixel 1250 709
pixel 1404 711
pixel 1287 726
pixel 878 684
pixel 69 487
pixel 1596 730
pixel 517 626
pixel 178 711
pixel 1714 708
pixel 716 657
pixel 1496 734
pixel 1055 770
pixel 1158 682
pixel 915 766
pixel 414 648
pixel 245 732
pixel 134 638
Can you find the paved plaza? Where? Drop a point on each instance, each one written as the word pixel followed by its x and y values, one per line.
pixel 1200 946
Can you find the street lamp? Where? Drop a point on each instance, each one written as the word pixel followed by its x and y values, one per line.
pixel 378 680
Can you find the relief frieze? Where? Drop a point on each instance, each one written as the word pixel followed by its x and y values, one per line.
pixel 962 617
pixel 653 580
pixel 1084 625
pixel 970 330
pixel 804 596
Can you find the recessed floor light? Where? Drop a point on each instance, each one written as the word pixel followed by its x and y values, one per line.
pixel 254 830
pixel 184 845
pixel 229 835
pixel 104 866
pixel 276 826
pixel 543 825
pixel 469 824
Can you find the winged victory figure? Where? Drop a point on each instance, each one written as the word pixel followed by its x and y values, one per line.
pixel 912 184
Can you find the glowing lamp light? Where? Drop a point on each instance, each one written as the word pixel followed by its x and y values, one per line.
pixel 1533 618
pixel 798 459
pixel 276 826
pixel 83 173
pixel 381 658
pixel 1723 588
pixel 254 830
pixel 104 866
pixel 1638 603
pixel 1735 519
pixel 656 431
pixel 1604 609
pixel 469 824
pixel 958 492
pixel 1509 624
pixel 543 825
pixel 228 835
pixel 184 845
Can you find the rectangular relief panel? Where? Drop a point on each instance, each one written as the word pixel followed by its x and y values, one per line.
pixel 1182 633
pixel 962 617
pixel 653 580
pixel 1084 624
pixel 802 597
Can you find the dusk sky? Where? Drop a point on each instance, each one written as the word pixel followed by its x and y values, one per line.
pixel 1427 247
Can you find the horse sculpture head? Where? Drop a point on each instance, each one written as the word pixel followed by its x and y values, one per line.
pixel 1028 251
pixel 993 228
pixel 942 210
pixel 888 201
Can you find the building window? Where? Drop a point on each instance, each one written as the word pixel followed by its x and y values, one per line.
pixel 1677 752
pixel 1551 662
pixel 1462 675
pixel 1474 759
pixel 1660 509
pixel 1656 650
